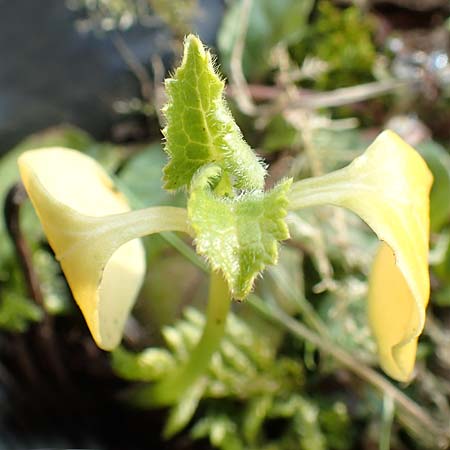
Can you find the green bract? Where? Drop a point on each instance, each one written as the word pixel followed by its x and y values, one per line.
pixel 200 129
pixel 238 235
pixel 236 224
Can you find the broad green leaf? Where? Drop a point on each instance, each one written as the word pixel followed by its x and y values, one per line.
pixel 140 179
pixel 388 187
pixel 270 22
pixel 438 160
pixel 239 236
pixel 200 128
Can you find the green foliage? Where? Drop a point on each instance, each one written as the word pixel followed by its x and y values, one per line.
pixel 221 431
pixel 256 394
pixel 53 286
pixel 343 39
pixel 248 387
pixel 237 225
pixel 200 128
pixel 279 135
pixel 178 14
pixel 181 414
pixel 17 312
pixel 239 236
pixel 337 148
pixel 107 15
pixel 140 179
pixel 438 161
pixel 335 422
pixel 148 365
pixel 294 422
pixel 270 23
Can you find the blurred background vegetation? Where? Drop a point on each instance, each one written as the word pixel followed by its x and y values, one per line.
pixel 310 83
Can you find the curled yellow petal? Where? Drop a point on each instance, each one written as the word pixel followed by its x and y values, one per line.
pixel 391 314
pixel 388 187
pixel 92 234
pixel 68 190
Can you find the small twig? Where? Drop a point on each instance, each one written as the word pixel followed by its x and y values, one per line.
pixel 348 95
pixel 158 87
pixel 14 200
pixel 243 97
pixel 337 97
pixel 136 67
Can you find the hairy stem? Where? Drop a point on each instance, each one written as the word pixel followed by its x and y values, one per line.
pixel 169 390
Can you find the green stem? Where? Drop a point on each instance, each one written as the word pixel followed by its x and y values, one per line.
pixel 184 249
pixel 79 236
pixel 324 344
pixel 121 228
pixel 304 306
pixel 387 418
pixel 329 189
pixel 169 390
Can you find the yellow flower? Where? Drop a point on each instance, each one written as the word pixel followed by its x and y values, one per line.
pixel 388 187
pixel 88 226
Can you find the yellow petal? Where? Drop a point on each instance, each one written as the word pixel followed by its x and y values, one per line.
pixel 392 315
pixel 70 193
pixel 388 187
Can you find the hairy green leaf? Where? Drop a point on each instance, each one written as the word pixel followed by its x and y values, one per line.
pixel 200 129
pixel 238 235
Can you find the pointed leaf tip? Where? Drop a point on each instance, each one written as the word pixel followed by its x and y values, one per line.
pixel 200 129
